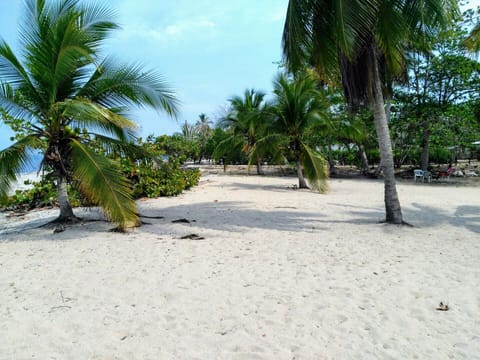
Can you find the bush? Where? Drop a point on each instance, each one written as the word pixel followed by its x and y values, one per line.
pixel 167 179
pixel 42 194
pixel 440 155
pixel 148 178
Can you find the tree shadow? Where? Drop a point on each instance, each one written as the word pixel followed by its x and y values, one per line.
pixel 242 216
pixel 464 216
pixel 43 220
pixel 238 217
pixel 282 188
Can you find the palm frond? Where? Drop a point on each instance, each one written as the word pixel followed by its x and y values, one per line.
pixel 83 113
pixel 315 168
pixel 272 145
pixel 472 42
pixel 101 180
pixel 297 34
pixel 391 36
pixel 13 73
pixel 122 86
pixel 122 147
pixel 97 22
pixel 232 144
pixel 14 104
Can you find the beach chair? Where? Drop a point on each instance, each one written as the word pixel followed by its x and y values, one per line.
pixel 445 173
pixel 421 174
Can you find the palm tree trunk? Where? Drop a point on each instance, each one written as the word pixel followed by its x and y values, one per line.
pixel 392 203
pixel 302 184
pixel 364 158
pixel 259 167
pixel 425 145
pixel 66 212
pixel 331 161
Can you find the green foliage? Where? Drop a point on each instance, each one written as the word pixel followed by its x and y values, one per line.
pixel 440 155
pixel 298 108
pixel 175 146
pixel 245 123
pixel 436 108
pixel 217 137
pixel 150 177
pixel 166 179
pixel 156 176
pixel 41 194
pixel 63 99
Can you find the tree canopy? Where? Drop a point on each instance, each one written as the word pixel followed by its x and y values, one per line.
pixel 66 101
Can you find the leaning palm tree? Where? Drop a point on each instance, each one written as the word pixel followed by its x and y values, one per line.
pixel 364 42
pixel 298 107
pixel 66 101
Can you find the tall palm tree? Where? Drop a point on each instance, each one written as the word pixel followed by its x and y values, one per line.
pixel 189 131
pixel 246 120
pixel 363 42
pixel 204 132
pixel 67 101
pixel 297 108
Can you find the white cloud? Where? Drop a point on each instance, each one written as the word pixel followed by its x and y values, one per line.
pixel 185 27
pixel 174 31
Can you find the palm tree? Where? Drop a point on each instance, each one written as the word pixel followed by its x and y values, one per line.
pixel 363 42
pixel 67 102
pixel 189 131
pixel 297 107
pixel 247 120
pixel 204 132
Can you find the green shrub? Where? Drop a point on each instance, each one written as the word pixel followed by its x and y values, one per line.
pixel 167 179
pixel 42 194
pixel 440 155
pixel 148 178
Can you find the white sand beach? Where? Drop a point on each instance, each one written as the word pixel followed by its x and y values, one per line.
pixel 279 274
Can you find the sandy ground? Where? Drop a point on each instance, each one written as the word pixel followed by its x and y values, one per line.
pixel 280 274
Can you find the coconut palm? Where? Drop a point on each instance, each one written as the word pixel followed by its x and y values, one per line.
pixel 204 132
pixel 246 120
pixel 67 101
pixel 364 42
pixel 189 131
pixel 297 108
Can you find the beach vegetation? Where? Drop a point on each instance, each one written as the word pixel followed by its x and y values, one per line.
pixel 246 121
pixel 68 102
pixel 160 174
pixel 363 45
pixel 298 109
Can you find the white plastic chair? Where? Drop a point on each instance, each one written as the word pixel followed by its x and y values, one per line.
pixel 420 174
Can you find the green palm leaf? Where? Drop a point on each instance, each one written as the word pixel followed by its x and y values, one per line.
pixel 315 168
pixel 273 144
pixel 84 113
pixel 120 86
pixel 102 181
pixel 232 144
pixel 111 145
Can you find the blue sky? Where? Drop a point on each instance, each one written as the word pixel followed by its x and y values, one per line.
pixel 207 50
